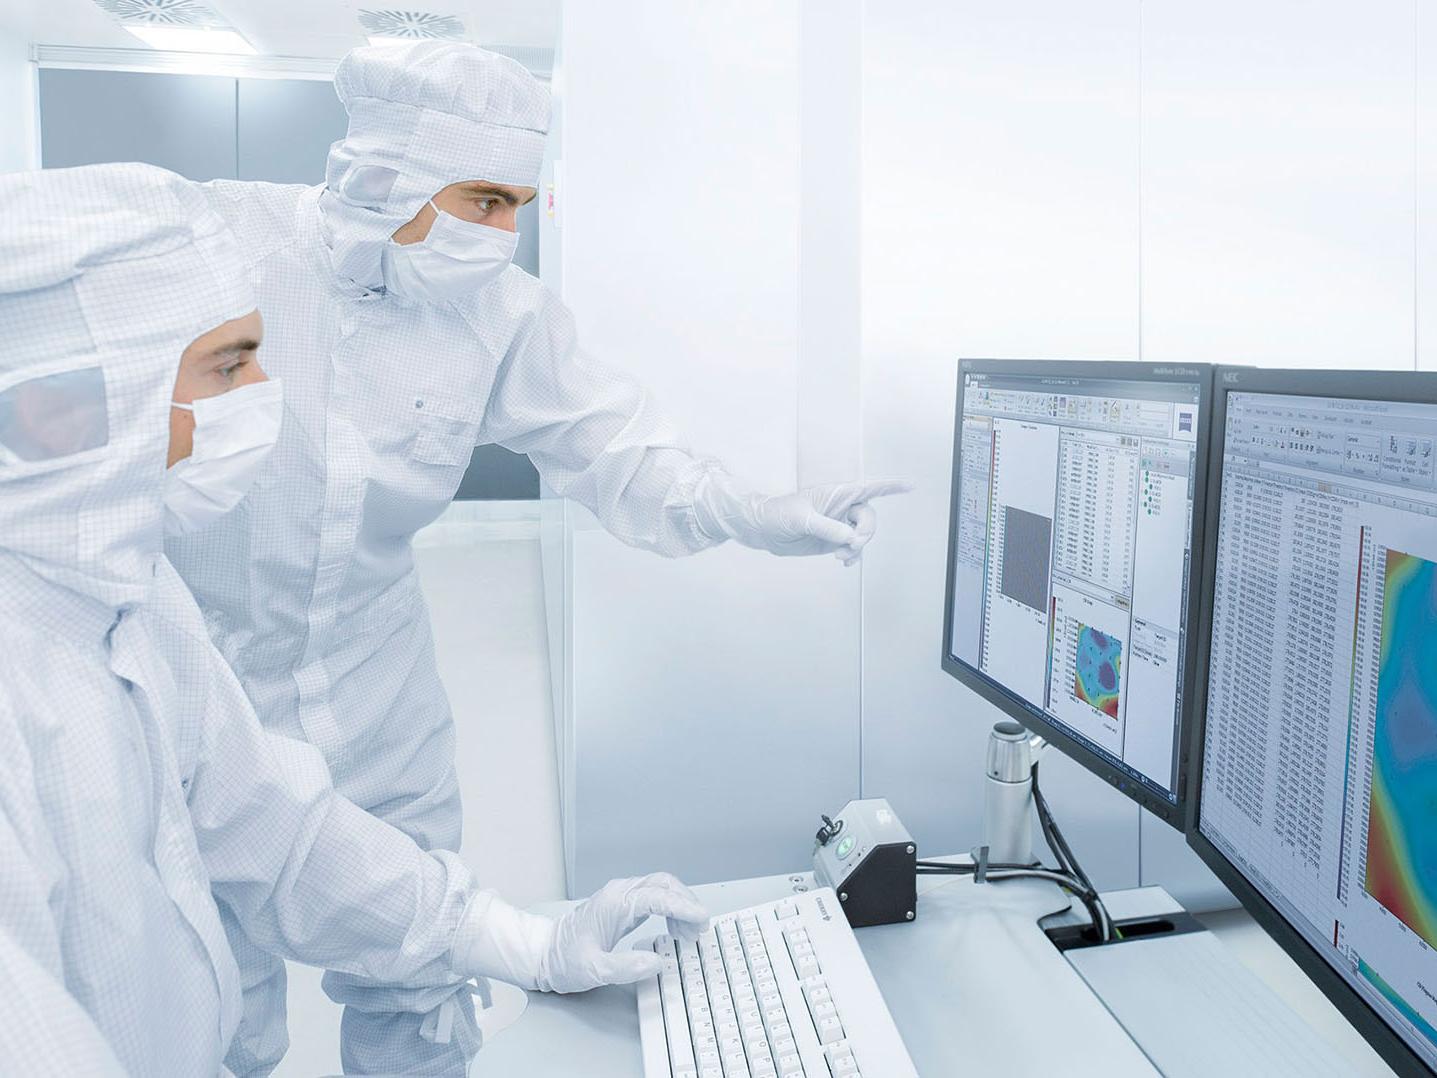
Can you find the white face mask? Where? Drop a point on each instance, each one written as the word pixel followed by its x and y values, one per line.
pixel 453 262
pixel 234 433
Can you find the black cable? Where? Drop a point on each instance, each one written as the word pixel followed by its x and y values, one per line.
pixel 1056 842
pixel 965 869
pixel 1097 911
pixel 1069 873
pixel 1005 871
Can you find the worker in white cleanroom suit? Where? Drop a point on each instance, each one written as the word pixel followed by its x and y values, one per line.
pixel 405 338
pixel 139 795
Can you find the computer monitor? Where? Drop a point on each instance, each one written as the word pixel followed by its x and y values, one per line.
pixel 1315 777
pixel 1073 558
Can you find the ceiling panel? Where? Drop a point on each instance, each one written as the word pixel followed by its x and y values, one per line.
pixel 320 28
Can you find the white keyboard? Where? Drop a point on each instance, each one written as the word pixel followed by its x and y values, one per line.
pixel 779 990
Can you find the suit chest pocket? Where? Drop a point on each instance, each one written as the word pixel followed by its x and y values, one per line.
pixel 443 440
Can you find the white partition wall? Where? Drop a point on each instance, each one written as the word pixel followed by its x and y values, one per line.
pixel 1278 191
pixel 712 707
pixel 19 135
pixel 1426 169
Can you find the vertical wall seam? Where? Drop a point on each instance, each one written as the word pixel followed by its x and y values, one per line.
pixel 861 14
pixel 1140 179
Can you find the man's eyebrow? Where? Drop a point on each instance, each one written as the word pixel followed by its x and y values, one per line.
pixel 247 344
pixel 498 192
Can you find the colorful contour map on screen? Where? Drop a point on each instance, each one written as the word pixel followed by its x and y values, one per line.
pixel 1100 666
pixel 1395 998
pixel 1401 837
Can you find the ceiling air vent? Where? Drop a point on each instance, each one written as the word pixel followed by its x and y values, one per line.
pixel 183 13
pixel 391 24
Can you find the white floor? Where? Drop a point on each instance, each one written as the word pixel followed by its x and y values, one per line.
pixel 484 583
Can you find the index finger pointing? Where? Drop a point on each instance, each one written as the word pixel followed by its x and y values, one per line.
pixel 880 488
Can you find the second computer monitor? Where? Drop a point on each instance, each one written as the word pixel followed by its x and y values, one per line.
pixel 1074 558
pixel 1315 775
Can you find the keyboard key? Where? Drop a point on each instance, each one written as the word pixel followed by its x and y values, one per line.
pixel 841 1063
pixel 786 911
pixel 829 1029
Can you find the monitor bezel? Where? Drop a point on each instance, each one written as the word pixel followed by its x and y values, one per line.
pixel 1173 813
pixel 1395 386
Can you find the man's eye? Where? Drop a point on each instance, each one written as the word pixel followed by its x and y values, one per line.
pixel 486 205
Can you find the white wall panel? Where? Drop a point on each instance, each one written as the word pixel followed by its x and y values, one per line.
pixel 1426 172
pixel 830 169
pixel 711 704
pixel 715 710
pixel 479 565
pixel 19 136
pixel 680 211
pixel 1277 178
pixel 1000 218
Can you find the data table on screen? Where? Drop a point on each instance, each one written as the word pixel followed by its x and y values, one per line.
pixel 1319 770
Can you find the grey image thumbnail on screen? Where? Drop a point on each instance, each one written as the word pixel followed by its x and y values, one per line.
pixel 1027 548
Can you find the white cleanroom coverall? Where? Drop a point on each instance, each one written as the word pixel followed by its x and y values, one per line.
pixel 134 777
pixel 309 587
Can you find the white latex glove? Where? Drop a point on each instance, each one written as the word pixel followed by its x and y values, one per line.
pixel 575 952
pixel 834 519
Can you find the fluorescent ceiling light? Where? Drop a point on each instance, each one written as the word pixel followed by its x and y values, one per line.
pixel 192 39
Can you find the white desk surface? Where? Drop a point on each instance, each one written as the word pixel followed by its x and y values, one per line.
pixel 963 982
pixel 973 985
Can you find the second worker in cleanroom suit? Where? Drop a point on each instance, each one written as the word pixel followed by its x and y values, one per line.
pixel 405 338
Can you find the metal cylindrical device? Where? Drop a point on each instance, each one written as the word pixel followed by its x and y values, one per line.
pixel 1008 796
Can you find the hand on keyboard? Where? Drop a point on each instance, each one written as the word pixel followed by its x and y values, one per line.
pixel 575 952
pixel 582 954
pixel 778 990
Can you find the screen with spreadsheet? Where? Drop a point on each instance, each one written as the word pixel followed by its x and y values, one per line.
pixel 1318 774
pixel 1072 557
